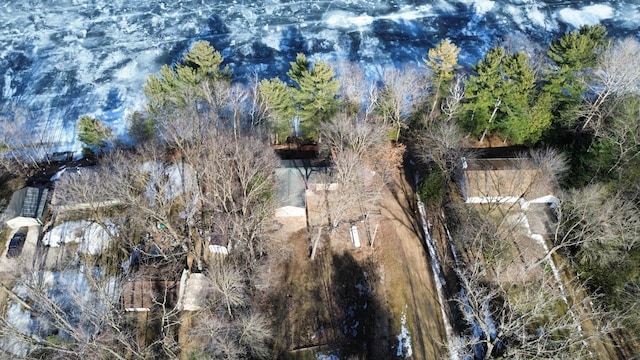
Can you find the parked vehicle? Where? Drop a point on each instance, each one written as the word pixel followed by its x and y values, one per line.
pixel 17 242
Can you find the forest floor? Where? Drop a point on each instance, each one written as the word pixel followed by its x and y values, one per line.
pixel 368 303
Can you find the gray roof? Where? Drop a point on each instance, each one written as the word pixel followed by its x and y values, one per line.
pixel 29 202
pixel 34 202
pixel 292 177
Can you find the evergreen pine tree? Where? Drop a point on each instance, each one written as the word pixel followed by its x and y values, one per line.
pixel 279 98
pixel 571 55
pixel 579 49
pixel 93 133
pixel 518 86
pixel 503 98
pixel 483 93
pixel 205 61
pixel 299 68
pixel 313 98
pixel 175 88
pixel 443 61
pixel 316 92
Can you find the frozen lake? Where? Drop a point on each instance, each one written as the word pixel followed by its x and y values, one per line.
pixel 65 58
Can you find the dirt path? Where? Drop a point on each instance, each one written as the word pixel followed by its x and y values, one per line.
pixel 420 296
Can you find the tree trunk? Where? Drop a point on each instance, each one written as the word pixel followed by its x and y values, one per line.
pixel 493 114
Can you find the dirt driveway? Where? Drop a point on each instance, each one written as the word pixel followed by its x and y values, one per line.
pixel 407 254
pixel 351 302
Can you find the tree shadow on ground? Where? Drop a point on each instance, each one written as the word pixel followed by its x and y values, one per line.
pixel 364 322
pixel 329 306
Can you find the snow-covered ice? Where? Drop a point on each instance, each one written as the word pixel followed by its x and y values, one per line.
pixel 588 15
pixel 67 58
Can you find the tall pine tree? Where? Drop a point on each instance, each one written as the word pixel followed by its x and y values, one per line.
pixel 484 93
pixel 316 93
pixel 503 99
pixel 175 88
pixel 443 62
pixel 93 134
pixel 312 98
pixel 282 108
pixel 571 56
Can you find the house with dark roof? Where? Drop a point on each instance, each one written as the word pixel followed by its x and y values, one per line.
pixel 27 207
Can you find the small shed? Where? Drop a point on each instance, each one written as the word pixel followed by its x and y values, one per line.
pixel 27 207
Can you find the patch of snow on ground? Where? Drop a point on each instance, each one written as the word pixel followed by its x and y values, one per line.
pixel 70 291
pixel 170 181
pixel 327 357
pixel 404 338
pixel 587 15
pixel 181 180
pixel 92 237
pixel 20 320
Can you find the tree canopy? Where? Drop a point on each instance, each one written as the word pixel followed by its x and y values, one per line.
pixel 571 54
pixel 92 132
pixel 443 60
pixel 502 98
pixel 313 96
pixel 174 88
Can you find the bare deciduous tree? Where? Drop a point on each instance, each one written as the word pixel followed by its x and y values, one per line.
pixel 72 314
pixel 356 89
pixel 451 105
pixel 364 162
pixel 553 165
pixel 525 319
pixel 254 336
pixel 237 184
pixel 345 132
pixel 257 111
pixel 601 225
pixel 244 338
pixel 616 76
pixel 23 144
pixel 227 283
pixel 403 91
pixel 76 191
pixel 441 143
